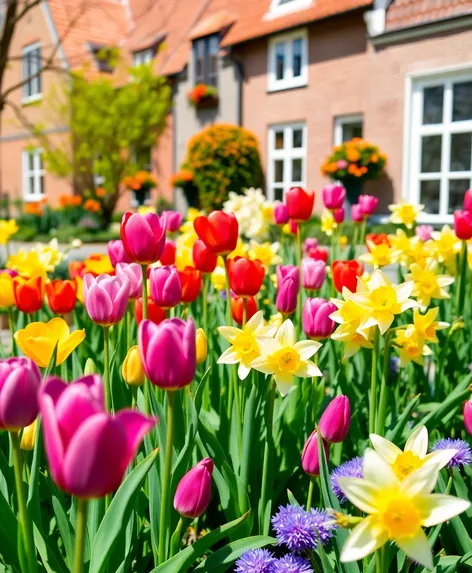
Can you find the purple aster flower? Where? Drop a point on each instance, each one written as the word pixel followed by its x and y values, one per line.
pixel 463 455
pixel 351 468
pixel 255 561
pixel 299 529
pixel 394 364
pixel 292 564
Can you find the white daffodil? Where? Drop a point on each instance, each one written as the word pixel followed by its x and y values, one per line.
pixel 244 343
pixel 398 510
pixel 414 456
pixel 285 358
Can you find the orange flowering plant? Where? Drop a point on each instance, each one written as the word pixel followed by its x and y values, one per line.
pixel 356 160
pixel 181 178
pixel 202 92
pixel 141 181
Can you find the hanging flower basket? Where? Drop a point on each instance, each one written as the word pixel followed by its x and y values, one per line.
pixel 203 96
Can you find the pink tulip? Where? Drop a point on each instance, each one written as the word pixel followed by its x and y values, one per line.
pixel 280 214
pixel 468 416
pixel 357 214
pixel 338 215
pixel 166 289
pixel 10 272
pixel 174 220
pixel 287 295
pixel 310 243
pixel 468 200
pixel 463 225
pixel 134 274
pixel 88 449
pixel 368 204
pixel 285 271
pixel 313 274
pixel 333 196
pixel 19 383
pixel 143 236
pixel 168 352
pixel 106 298
pixel 117 253
pixel 192 496
pixel 336 419
pixel 310 456
pixel 315 318
pixel 424 232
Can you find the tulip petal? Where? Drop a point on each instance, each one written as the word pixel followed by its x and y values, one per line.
pixel 361 493
pixel 52 435
pixel 364 539
pixel 417 548
pixel 136 425
pixel 58 328
pixel 67 346
pixel 138 233
pixel 439 508
pixel 418 442
pixel 385 448
pixel 99 304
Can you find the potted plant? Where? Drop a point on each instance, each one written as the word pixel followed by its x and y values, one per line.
pixel 203 96
pixel 352 163
pixel 141 183
pixel 183 179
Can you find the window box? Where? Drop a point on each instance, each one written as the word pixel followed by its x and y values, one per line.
pixel 288 61
pixel 203 96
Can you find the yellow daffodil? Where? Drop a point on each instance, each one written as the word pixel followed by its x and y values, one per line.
pixel 349 316
pixel 276 320
pixel 411 347
pixel 245 345
pixel 28 264
pixel 240 250
pixel 328 224
pixel 98 265
pixel 265 252
pixel 285 358
pixel 379 255
pixel 202 346
pixel 382 301
pixel 7 298
pixel 143 209
pixel 39 339
pixel 405 213
pixel 218 278
pixel 427 283
pixel 343 241
pixel 192 214
pixel 426 324
pixel 445 245
pixel 132 369
pixel 397 510
pixel 7 230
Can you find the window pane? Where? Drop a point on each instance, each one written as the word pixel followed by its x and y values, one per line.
pixel 351 130
pixel 279 171
pixel 296 170
pixel 431 153
pixel 462 101
pixel 297 57
pixel 430 192
pixel 297 140
pixel 30 161
pixel 279 60
pixel 461 149
pixel 279 140
pixel 41 184
pixel 278 194
pixel 433 100
pixel 457 188
pixel 30 185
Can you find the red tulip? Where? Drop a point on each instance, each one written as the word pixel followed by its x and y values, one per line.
pixel 345 274
pixel 463 224
pixel 191 281
pixel 28 294
pixel 155 313
pixel 468 200
pixel 237 308
pixel 245 276
pixel 219 231
pixel 168 256
pixel 318 254
pixel 204 260
pixel 299 203
pixel 61 296
pixel 377 239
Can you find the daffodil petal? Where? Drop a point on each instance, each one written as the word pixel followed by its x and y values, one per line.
pixel 255 322
pixel 360 492
pixel 229 332
pixel 417 548
pixel 243 371
pixel 439 508
pixel 385 448
pixel 308 370
pixel 364 539
pixel 418 442
pixel 286 334
pixel 421 481
pixel 377 470
pixel 307 348
pixel 263 365
pixel 439 458
pixel 229 356
pixel 284 381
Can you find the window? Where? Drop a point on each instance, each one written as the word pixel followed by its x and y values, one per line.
pixel 441 144
pixel 287 159
pixel 31 58
pixel 206 52
pixel 279 7
pixel 105 57
pixel 143 57
pixel 288 61
pixel 346 127
pixel 33 175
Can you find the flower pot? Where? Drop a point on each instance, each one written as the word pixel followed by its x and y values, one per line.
pixel 207 102
pixel 354 188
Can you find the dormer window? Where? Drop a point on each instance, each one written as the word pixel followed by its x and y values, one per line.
pixel 104 56
pixel 280 7
pixel 143 57
pixel 206 52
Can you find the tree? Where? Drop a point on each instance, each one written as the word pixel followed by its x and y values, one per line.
pixel 109 127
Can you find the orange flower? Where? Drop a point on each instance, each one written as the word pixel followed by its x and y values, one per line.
pixel 92 206
pixel 76 200
pixel 28 294
pixel 33 209
pixel 100 192
pixel 353 155
pixel 61 295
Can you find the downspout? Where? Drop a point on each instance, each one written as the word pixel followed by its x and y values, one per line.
pixel 239 78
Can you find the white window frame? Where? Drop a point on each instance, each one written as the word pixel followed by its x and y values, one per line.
pixel 37 173
pixel 36 81
pixel 414 130
pixel 288 81
pixel 142 57
pixel 277 8
pixel 286 154
pixel 340 121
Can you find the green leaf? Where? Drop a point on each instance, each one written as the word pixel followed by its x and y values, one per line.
pixel 8 534
pixel 395 434
pixel 455 399
pixel 118 514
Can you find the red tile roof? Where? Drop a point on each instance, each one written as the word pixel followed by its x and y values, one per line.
pixel 405 13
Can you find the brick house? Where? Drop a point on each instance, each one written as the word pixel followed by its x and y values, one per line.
pixel 301 74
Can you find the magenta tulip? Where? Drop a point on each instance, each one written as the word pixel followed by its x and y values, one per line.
pixel 88 449
pixel 468 200
pixel 134 274
pixel 280 214
pixel 19 383
pixel 316 320
pixel 468 416
pixel 310 455
pixel 336 419
pixel 310 243
pixel 368 204
pixel 166 289
pixel 333 196
pixel 117 253
pixel 143 236
pixel 283 272
pixel 194 490
pixel 313 274
pixel 10 272
pixel 287 296
pixel 174 220
pixel 106 298
pixel 463 225
pixel 357 214
pixel 338 215
pixel 168 352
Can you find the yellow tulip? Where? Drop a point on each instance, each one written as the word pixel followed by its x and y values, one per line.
pixel 7 298
pixel 39 339
pixel 132 369
pixel 28 437
pixel 7 230
pixel 202 346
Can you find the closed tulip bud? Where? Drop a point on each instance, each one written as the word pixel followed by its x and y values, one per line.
pixel 90 367
pixel 318 254
pixel 143 236
pixel 315 318
pixel 468 416
pixel 357 214
pixel 345 274
pixel 132 369
pixel 204 260
pixel 28 437
pixel 166 289
pixel 280 214
pixel 28 294
pixel 191 281
pixel 174 220
pixel 299 203
pixel 7 296
pixel 168 255
pixel 333 196
pixel 283 272
pixel 468 200
pixel 368 204
pixel 192 496
pixel 106 298
pixel 219 231
pixel 20 380
pixel 336 419
pixel 287 296
pixel 134 274
pixel 245 276
pixel 463 225
pixel 202 346
pixel 313 274
pixel 310 243
pixel 310 455
pixel 237 308
pixel 339 215
pixel 117 253
pixel 61 295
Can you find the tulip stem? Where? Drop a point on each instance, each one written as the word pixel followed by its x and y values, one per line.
pixel 373 383
pixel 11 323
pixel 24 518
pixel 461 282
pixel 205 303
pixel 129 311
pixel 80 530
pixel 380 422
pixel 310 493
pixel 165 498
pixel 106 366
pixel 299 263
pixel 265 507
pixel 229 316
pixel 145 294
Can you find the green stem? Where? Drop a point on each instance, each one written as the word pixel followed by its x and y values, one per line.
pixel 11 323
pixel 380 423
pixel 267 474
pixel 299 263
pixel 373 383
pixel 461 279
pixel 145 294
pixel 310 493
pixel 229 316
pixel 363 229
pixel 129 313
pixel 24 518
pixel 165 498
pixel 106 366
pixel 206 277
pixel 80 532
